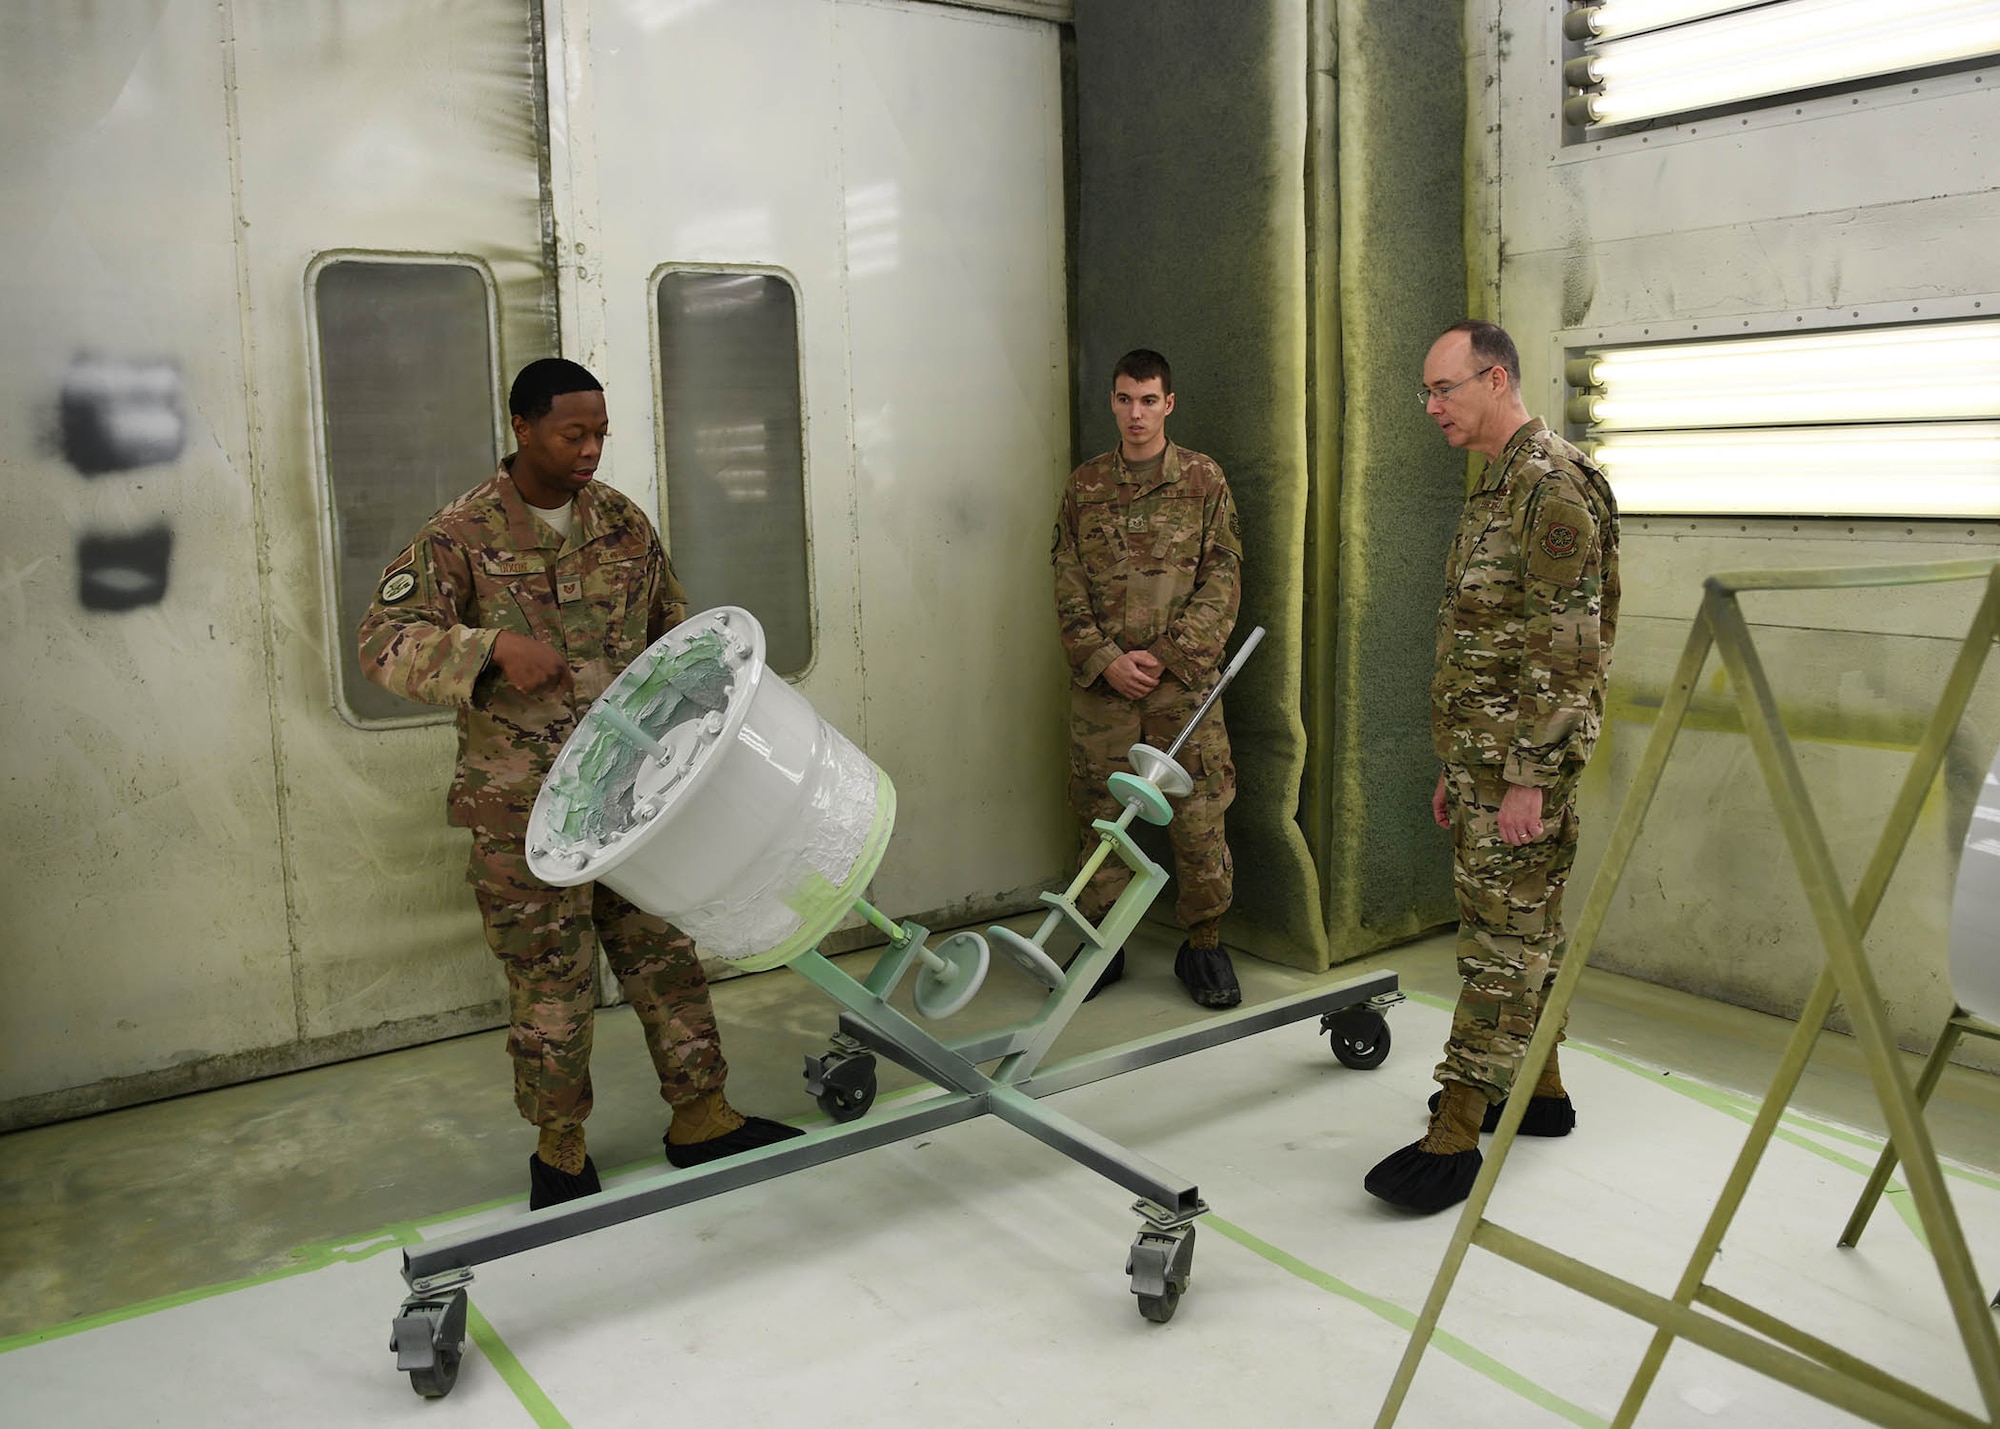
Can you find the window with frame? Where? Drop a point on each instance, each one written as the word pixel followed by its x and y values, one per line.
pixel 732 439
pixel 409 418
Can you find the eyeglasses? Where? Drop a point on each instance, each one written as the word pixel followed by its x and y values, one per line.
pixel 1440 393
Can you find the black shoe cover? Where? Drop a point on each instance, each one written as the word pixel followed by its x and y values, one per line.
pixel 1424 1181
pixel 1113 970
pixel 756 1131
pixel 1546 1116
pixel 1208 975
pixel 549 1187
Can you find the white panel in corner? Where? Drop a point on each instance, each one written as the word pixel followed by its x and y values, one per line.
pixel 901 166
pixel 951 128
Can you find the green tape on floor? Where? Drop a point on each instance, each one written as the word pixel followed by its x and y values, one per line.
pixel 1795 1128
pixel 539 1406
pixel 1473 1359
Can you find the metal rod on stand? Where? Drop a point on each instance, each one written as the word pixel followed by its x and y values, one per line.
pixel 1228 674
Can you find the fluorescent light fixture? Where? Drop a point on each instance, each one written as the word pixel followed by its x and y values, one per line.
pixel 1615 19
pixel 1949 469
pixel 1774 49
pixel 1934 372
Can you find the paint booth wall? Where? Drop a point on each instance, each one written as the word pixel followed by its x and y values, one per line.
pixel 1277 204
pixel 1874 205
pixel 215 874
pixel 224 866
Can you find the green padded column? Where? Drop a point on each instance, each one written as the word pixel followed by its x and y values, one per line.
pixel 1190 140
pixel 1398 141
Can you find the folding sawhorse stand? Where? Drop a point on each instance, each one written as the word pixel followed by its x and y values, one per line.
pixel 1758 1339
pixel 428 1334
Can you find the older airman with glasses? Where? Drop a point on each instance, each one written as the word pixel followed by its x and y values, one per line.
pixel 1524 636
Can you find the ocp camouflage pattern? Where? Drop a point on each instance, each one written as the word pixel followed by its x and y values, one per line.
pixel 1530 611
pixel 549 949
pixel 485 564
pixel 1510 937
pixel 1150 563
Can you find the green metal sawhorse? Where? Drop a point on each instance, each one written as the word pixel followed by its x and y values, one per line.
pixel 1757 1339
pixel 1959 1024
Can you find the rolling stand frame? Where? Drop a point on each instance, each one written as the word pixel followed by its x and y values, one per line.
pixel 428 1332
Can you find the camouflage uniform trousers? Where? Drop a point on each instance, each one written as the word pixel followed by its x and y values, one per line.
pixel 1510 938
pixel 548 944
pixel 1103 725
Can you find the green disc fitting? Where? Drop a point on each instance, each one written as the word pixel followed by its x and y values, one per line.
pixel 1135 793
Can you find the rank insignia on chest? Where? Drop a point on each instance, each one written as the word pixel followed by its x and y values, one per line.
pixel 569 588
pixel 396 586
pixel 1559 541
pixel 1135 522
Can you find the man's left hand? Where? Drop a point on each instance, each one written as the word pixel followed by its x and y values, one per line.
pixel 1520 815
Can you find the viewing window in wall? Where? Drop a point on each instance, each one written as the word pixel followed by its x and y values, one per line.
pixel 1653 59
pixel 409 418
pixel 732 438
pixel 1885 421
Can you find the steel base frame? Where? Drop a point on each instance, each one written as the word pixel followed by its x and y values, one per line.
pixel 1756 1339
pixel 440 1272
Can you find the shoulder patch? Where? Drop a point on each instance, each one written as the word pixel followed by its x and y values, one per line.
pixel 1560 539
pixel 396 586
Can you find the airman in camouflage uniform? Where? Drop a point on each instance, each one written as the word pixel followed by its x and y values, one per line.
pixel 1148 559
pixel 1524 637
pixel 518 627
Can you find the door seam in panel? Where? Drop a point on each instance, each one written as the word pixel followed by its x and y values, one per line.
pixel 253 452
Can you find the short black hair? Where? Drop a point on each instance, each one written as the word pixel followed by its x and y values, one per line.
pixel 1490 346
pixel 1142 364
pixel 538 385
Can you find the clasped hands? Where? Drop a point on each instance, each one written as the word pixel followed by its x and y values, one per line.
pixel 1135 674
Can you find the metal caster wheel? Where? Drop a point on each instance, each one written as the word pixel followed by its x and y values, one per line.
pixel 428 1336
pixel 1360 1037
pixel 1161 1263
pixel 842 1084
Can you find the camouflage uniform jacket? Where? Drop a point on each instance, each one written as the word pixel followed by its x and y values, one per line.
pixel 1149 565
pixel 1530 610
pixel 483 565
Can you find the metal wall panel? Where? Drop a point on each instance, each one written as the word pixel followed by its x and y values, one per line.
pixel 927 257
pixel 143 893
pixel 379 127
pixel 1869 205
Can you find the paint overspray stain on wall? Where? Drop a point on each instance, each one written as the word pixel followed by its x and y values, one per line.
pixel 123 572
pixel 120 415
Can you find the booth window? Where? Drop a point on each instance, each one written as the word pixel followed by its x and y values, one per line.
pixel 1634 61
pixel 733 442
pixel 409 419
pixel 1897 421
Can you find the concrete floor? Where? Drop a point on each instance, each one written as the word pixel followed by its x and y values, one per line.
pixel 153 1203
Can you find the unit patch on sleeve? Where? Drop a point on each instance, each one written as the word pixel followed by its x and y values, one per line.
pixel 1560 540
pixel 396 586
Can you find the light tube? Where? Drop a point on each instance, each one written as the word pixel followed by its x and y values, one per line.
pixel 1934 372
pixel 1945 470
pixel 1615 19
pixel 1775 49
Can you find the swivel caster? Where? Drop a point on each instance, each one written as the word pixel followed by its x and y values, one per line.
pixel 842 1083
pixel 1360 1036
pixel 1161 1263
pixel 428 1336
